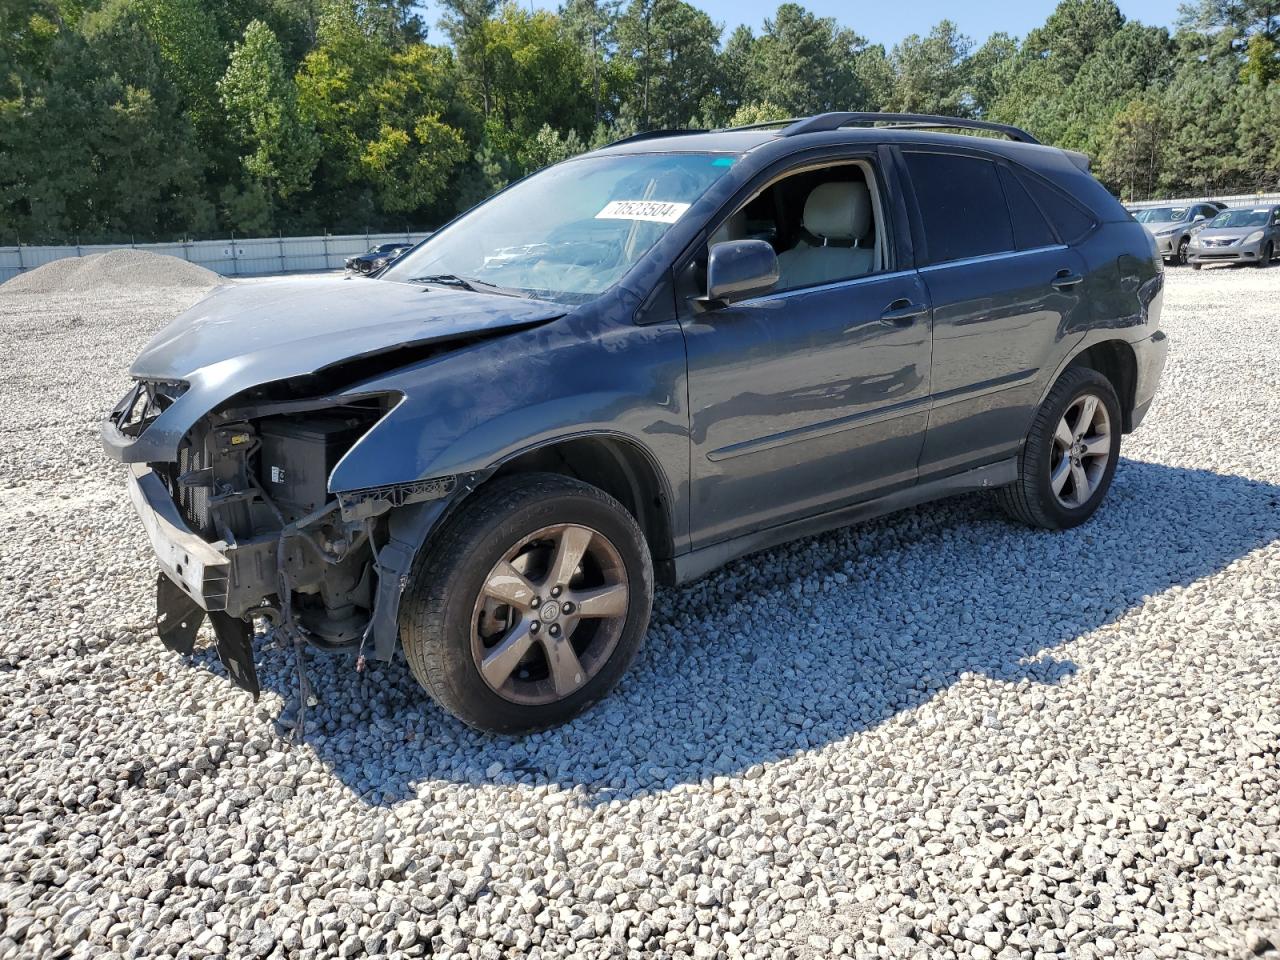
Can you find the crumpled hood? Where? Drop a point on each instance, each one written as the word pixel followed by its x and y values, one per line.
pixel 247 334
pixel 284 328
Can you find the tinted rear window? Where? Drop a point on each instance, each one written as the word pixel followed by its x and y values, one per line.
pixel 1067 217
pixel 1030 229
pixel 962 206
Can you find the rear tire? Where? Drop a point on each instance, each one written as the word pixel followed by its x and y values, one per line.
pixel 488 633
pixel 1070 454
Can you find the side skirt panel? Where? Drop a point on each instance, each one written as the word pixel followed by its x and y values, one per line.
pixel 698 563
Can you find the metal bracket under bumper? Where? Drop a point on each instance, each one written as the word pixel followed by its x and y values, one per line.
pixel 199 568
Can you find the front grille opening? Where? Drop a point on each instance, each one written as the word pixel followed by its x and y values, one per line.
pixel 193 502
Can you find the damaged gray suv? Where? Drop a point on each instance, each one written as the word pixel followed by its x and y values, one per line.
pixel 628 369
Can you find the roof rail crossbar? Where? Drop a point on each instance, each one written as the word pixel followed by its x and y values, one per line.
pixel 650 134
pixel 824 122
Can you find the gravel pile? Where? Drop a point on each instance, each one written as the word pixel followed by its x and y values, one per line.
pixel 135 270
pixel 938 734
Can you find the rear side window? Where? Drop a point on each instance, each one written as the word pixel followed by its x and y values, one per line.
pixel 1068 219
pixel 1030 229
pixel 962 206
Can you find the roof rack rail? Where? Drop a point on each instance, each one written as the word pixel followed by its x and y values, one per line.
pixel 650 134
pixel 763 125
pixel 824 122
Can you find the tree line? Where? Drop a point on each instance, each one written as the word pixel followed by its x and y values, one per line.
pixel 154 119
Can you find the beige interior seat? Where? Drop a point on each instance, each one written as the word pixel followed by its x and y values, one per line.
pixel 839 242
pixel 734 228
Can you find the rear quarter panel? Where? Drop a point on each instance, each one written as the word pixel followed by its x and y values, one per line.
pixel 1125 287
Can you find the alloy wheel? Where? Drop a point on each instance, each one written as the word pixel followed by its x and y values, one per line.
pixel 549 614
pixel 1081 451
pixel 1183 246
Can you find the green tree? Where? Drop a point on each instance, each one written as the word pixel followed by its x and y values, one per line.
pixel 593 26
pixel 762 112
pixel 1073 32
pixel 539 77
pixel 1133 148
pixel 1261 60
pixel 931 74
pixel 1241 18
pixel 1257 149
pixel 671 47
pixel 1129 62
pixel 1204 123
pixel 806 64
pixel 192 53
pixel 466 23
pixel 391 124
pixel 550 146
pixel 988 71
pixel 261 102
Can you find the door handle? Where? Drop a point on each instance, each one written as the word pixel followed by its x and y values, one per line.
pixel 1065 280
pixel 902 313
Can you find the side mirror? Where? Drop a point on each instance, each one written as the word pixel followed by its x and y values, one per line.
pixel 1199 217
pixel 737 269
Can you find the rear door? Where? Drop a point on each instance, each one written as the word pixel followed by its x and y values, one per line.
pixel 1005 291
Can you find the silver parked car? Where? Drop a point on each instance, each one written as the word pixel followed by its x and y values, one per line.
pixel 1249 235
pixel 1173 227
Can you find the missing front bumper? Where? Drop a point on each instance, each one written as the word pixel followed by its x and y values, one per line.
pixel 201 569
pixel 194 582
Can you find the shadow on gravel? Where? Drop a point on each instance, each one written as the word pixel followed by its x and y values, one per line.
pixel 804 645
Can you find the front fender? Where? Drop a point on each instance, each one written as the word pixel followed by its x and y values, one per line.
pixel 469 410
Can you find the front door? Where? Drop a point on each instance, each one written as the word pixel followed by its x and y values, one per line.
pixel 806 399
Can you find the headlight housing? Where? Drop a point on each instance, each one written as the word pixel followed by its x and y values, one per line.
pixel 1168 231
pixel 1253 237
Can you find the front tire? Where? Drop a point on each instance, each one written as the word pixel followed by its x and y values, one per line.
pixel 1264 256
pixel 1184 245
pixel 529 604
pixel 1070 454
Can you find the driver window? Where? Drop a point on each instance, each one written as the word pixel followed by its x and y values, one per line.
pixel 824 224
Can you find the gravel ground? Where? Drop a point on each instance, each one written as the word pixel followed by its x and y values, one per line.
pixel 936 734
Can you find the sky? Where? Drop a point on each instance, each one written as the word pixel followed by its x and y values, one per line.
pixel 888 21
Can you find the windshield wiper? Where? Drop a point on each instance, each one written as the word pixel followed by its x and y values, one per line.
pixel 470 283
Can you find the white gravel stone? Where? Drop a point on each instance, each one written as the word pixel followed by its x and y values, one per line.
pixel 936 734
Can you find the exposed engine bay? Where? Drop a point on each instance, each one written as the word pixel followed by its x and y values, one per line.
pixel 250 481
pixel 242 413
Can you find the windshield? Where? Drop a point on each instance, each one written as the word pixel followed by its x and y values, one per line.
pixel 569 232
pixel 1241 218
pixel 1161 215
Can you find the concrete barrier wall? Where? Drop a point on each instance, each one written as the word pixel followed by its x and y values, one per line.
pixel 1232 200
pixel 238 257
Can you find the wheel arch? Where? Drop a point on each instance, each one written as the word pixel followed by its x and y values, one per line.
pixel 1115 360
pixel 616 464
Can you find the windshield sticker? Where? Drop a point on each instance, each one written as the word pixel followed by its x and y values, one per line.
pixel 656 211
